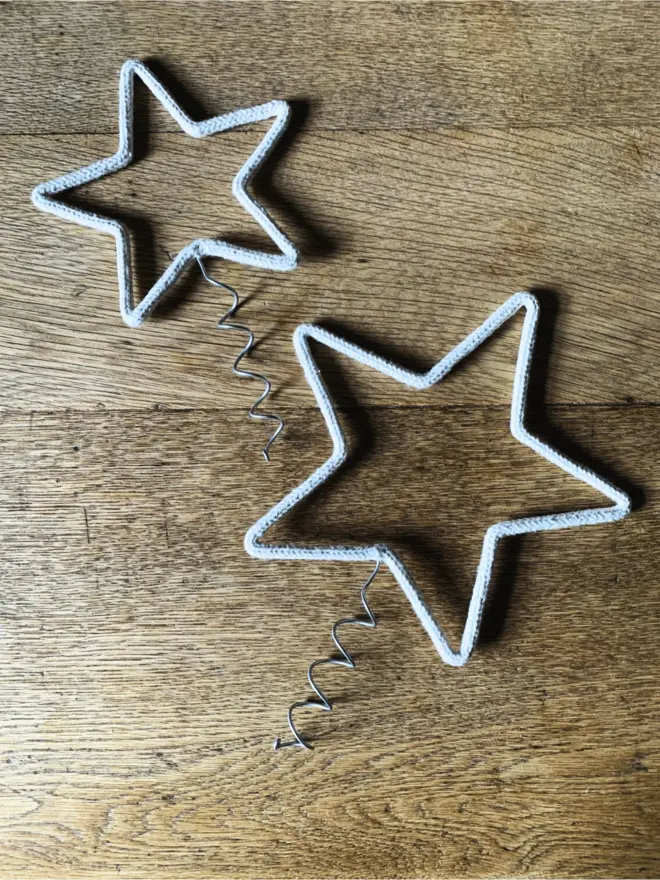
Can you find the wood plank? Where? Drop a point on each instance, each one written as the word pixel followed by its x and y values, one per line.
pixel 443 155
pixel 412 239
pixel 360 65
pixel 147 662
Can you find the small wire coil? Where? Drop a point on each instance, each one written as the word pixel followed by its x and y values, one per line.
pixel 345 659
pixel 224 323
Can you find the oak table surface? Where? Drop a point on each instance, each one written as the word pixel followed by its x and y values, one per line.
pixel 441 157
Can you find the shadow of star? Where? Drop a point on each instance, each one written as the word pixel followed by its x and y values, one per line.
pixel 47 196
pixel 445 451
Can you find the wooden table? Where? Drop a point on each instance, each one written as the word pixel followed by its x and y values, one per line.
pixel 442 157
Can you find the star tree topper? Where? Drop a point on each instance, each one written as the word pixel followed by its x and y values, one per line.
pixel 45 195
pixel 620 507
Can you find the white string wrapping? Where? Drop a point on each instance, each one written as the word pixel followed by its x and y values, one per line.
pixel 620 507
pixel 134 315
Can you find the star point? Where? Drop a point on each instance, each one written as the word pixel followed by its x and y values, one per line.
pixel 45 195
pixel 620 507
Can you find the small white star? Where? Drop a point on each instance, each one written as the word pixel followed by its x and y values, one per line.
pixel 43 195
pixel 379 552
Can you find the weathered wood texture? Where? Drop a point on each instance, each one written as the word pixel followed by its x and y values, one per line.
pixel 419 237
pixel 148 663
pixel 361 65
pixel 443 156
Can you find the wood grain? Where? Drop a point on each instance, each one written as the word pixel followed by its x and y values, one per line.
pixel 414 249
pixel 148 663
pixel 442 156
pixel 362 65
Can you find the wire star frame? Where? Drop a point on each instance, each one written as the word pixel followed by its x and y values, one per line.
pixel 380 553
pixel 44 195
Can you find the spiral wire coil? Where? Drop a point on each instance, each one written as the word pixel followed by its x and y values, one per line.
pixel 224 323
pixel 345 659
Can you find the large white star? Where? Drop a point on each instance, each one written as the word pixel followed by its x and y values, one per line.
pixel 43 195
pixel 379 552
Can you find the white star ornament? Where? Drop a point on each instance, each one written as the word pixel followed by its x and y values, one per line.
pixel 45 195
pixel 620 507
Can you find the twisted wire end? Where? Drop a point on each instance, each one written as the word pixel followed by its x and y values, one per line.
pixel 320 701
pixel 224 323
